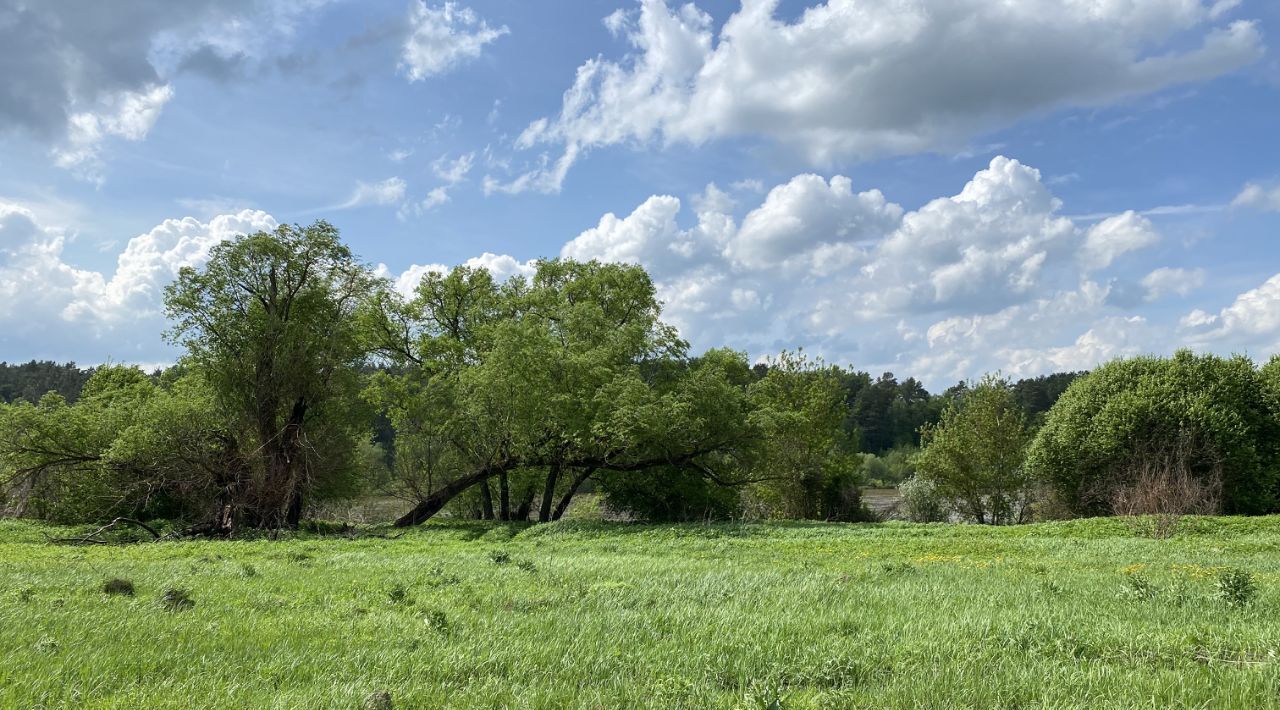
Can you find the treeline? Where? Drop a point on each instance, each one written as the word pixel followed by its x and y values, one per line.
pixel 32 380
pixel 306 378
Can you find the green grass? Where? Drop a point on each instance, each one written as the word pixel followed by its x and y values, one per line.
pixel 573 614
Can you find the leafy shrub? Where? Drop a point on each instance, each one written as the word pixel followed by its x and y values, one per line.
pixel 1220 411
pixel 920 502
pixel 668 494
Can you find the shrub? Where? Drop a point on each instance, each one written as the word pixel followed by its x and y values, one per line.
pixel 1203 415
pixel 974 455
pixel 920 501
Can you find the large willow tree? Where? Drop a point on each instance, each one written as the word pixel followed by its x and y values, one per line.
pixel 567 373
pixel 269 324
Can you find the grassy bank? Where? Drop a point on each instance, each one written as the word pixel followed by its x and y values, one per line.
pixel 591 615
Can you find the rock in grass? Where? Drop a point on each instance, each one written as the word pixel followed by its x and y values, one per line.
pixel 378 700
pixel 118 587
pixel 176 600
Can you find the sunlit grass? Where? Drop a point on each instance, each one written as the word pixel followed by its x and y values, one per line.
pixel 597 615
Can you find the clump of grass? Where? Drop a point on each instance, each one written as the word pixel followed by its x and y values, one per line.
pixel 46 644
pixel 378 700
pixel 437 621
pixel 118 587
pixel 248 570
pixel 527 566
pixel 500 557
pixel 1138 588
pixel 397 593
pixel 1236 588
pixel 176 599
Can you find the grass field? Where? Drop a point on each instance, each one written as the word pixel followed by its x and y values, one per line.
pixel 573 614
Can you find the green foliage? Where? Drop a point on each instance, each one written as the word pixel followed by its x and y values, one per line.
pixel 270 324
pixel 804 453
pixel 569 372
pixel 920 501
pixel 1236 587
pixel 1222 410
pixel 128 446
pixel 974 455
pixel 32 380
pixel 892 468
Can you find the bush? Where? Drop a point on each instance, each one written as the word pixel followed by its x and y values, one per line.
pixel 1204 416
pixel 974 456
pixel 920 501
pixel 668 495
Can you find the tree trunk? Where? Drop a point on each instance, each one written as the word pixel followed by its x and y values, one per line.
pixel 526 505
pixel 563 505
pixel 486 501
pixel 549 493
pixel 504 496
pixel 432 504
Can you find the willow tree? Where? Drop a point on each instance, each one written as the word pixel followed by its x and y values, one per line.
pixel 269 324
pixel 555 373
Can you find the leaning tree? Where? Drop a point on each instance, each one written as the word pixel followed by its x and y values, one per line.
pixel 560 374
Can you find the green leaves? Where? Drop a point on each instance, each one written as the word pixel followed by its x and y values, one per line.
pixel 974 455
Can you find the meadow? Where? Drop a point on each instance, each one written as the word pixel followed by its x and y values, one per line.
pixel 588 614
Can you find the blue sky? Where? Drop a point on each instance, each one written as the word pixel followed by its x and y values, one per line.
pixel 934 187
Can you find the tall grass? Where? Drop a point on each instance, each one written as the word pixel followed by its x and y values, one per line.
pixel 597 615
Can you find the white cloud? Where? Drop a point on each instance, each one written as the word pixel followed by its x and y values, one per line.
pixel 128 115
pixel 1116 236
pixel 1165 281
pixel 452 172
pixel 441 38
pixel 994 275
pixel 387 192
pixel 1251 321
pixel 77 75
pixel 849 79
pixel 1258 197
pixel 51 308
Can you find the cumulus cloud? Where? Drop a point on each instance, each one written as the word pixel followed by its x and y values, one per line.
pixel 50 308
pixel 79 74
pixel 1252 320
pixel 1167 281
pixel 1116 236
pixel 992 277
pixel 440 38
pixel 849 79
pixel 1258 197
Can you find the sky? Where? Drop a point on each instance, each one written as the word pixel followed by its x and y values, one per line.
pixel 933 188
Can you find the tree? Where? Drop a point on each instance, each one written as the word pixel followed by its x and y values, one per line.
pixel 974 456
pixel 804 452
pixel 129 446
pixel 269 324
pixel 1213 416
pixel 569 373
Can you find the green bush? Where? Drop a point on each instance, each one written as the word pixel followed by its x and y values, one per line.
pixel 920 502
pixel 1219 413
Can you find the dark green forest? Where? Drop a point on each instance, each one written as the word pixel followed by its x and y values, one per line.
pixel 306 379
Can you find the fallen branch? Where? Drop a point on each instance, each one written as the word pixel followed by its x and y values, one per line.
pixel 93 539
